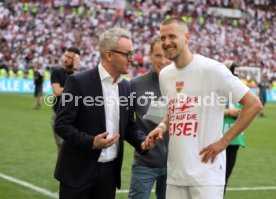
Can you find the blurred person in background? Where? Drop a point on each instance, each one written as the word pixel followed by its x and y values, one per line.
pixel 11 72
pixel 263 86
pixel 231 113
pixel 38 86
pixel 152 166
pixel 70 63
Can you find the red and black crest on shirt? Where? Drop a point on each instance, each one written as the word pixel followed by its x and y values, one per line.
pixel 179 85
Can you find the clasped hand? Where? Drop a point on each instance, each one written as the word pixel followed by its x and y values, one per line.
pixel 208 153
pixel 101 141
pixel 153 138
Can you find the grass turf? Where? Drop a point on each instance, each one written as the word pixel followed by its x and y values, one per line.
pixel 28 152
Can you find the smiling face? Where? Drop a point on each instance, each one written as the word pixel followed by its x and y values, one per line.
pixel 174 40
pixel 158 58
pixel 120 62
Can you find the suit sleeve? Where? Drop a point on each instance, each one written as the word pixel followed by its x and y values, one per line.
pixel 65 123
pixel 133 135
pixel 134 92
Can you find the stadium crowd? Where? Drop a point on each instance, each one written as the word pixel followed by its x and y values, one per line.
pixel 33 32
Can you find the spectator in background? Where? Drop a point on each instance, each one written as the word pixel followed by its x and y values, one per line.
pixel 11 72
pixel 263 86
pixel 152 166
pixel 51 29
pixel 3 73
pixel 196 156
pixel 70 63
pixel 231 113
pixel 38 86
pixel 20 74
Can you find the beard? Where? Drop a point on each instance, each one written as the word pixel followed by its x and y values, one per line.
pixel 69 67
pixel 171 57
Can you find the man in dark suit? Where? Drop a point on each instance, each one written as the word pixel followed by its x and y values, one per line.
pixel 94 118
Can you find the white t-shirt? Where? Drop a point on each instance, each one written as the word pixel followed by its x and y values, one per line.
pixel 197 95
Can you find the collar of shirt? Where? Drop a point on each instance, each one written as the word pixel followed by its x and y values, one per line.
pixel 154 76
pixel 105 76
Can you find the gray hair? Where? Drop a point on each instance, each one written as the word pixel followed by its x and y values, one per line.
pixel 109 39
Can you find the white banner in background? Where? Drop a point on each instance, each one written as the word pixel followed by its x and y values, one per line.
pixel 22 85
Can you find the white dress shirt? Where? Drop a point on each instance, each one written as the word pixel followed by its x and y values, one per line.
pixel 112 116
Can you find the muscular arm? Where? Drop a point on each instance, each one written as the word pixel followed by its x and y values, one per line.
pixel 166 119
pixel 157 133
pixel 232 112
pixel 251 107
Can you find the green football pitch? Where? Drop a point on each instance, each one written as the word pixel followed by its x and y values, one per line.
pixel 28 154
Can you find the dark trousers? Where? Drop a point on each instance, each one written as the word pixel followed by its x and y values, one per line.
pixel 231 156
pixel 104 188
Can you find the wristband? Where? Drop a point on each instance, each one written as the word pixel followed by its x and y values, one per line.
pixel 163 125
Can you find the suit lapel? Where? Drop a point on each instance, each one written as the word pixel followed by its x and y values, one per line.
pixel 122 93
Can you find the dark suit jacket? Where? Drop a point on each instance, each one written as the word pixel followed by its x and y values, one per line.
pixel 78 124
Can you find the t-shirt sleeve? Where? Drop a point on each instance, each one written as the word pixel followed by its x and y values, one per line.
pixel 55 76
pixel 229 85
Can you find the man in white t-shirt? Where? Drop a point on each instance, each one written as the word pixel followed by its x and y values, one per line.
pixel 197 89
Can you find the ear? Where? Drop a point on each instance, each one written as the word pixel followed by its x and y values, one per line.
pixel 108 55
pixel 187 36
